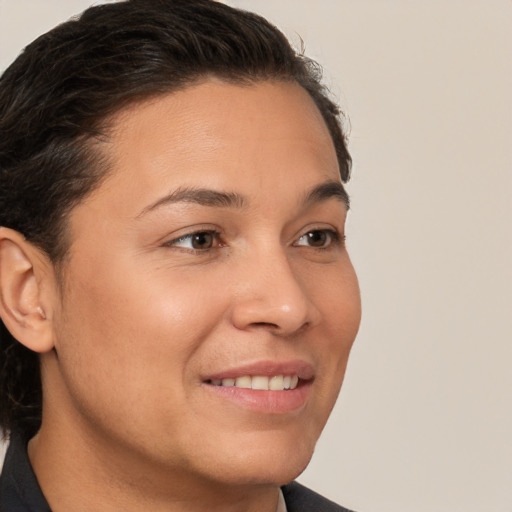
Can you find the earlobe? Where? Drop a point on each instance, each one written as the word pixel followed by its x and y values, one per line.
pixel 22 307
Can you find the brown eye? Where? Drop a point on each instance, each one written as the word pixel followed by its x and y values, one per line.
pixel 318 238
pixel 202 240
pixel 199 241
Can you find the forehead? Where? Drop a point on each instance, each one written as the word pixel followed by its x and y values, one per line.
pixel 218 135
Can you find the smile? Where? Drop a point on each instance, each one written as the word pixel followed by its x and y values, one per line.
pixel 259 382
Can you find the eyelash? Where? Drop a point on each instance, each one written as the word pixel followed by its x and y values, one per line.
pixel 189 236
pixel 334 237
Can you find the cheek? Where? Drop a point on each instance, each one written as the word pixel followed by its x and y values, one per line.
pixel 337 296
pixel 339 300
pixel 132 335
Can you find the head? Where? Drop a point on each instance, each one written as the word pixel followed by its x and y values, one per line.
pixel 159 85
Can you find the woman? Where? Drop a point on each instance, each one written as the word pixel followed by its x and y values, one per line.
pixel 177 299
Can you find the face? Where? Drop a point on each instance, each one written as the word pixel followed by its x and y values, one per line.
pixel 207 275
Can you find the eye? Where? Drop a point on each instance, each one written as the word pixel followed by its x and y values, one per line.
pixel 319 238
pixel 198 241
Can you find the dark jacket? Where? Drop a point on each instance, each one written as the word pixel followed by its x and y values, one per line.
pixel 301 499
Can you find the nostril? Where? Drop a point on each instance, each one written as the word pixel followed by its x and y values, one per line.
pixel 274 311
pixel 278 329
pixel 266 325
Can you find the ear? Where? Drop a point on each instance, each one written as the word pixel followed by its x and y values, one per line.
pixel 24 299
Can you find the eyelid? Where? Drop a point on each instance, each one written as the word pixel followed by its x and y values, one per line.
pixel 336 238
pixel 190 234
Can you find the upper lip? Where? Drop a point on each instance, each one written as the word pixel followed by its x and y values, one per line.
pixel 302 369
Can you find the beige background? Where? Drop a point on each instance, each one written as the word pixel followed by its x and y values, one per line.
pixel 425 419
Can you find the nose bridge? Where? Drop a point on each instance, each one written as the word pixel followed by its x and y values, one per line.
pixel 271 293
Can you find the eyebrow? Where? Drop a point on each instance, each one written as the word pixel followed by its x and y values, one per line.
pixel 208 197
pixel 201 196
pixel 325 191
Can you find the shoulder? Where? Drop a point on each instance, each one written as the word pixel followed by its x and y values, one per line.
pixel 301 499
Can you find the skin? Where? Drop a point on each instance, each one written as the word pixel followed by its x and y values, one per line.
pixel 140 316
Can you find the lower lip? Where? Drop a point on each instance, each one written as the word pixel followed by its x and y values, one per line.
pixel 269 402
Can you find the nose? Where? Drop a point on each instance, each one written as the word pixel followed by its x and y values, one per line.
pixel 272 296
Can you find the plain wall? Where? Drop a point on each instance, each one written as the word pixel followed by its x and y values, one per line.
pixel 424 422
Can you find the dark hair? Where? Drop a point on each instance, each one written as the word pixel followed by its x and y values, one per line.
pixel 56 100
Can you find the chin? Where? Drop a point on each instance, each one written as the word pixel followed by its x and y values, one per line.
pixel 269 463
pixel 273 473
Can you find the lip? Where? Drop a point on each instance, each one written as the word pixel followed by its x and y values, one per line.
pixel 263 401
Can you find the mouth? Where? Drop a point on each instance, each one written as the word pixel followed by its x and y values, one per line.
pixel 264 387
pixel 259 382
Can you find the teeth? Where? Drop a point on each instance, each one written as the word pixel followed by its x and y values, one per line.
pixel 260 382
pixel 243 382
pixel 276 383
